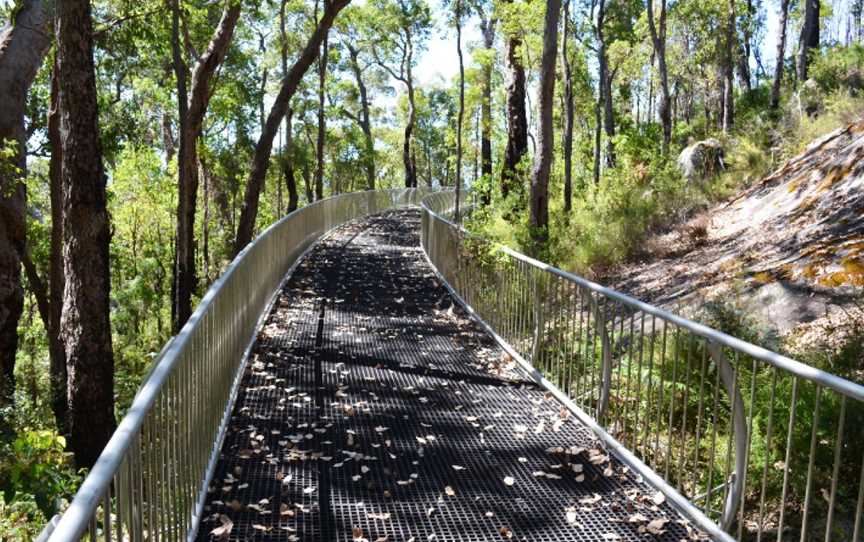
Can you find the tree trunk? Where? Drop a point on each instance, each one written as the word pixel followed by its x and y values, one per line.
pixel 744 49
pixel 192 119
pixel 605 83
pixel 539 207
pixel 729 71
pixel 364 120
pixel 85 324
pixel 319 147
pixel 781 53
pixel 568 114
pixel 658 38
pixel 461 116
pixel 407 156
pixel 288 164
pixel 809 37
pixel 56 354
pixel 517 119
pixel 23 46
pixel 488 28
pixel 261 159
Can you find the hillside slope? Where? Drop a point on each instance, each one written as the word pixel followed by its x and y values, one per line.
pixel 788 250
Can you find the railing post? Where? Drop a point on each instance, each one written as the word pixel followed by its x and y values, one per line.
pixel 739 429
pixel 539 324
pixel 606 359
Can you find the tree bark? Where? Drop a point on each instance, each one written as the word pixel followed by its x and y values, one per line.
pixel 23 46
pixel 517 118
pixel 781 53
pixel 261 159
pixel 319 147
pixel 461 116
pixel 658 38
pixel 809 37
pixel 363 120
pixel 605 83
pixel 744 50
pixel 729 71
pixel 56 353
pixel 568 114
pixel 288 164
pixel 85 324
pixel 192 119
pixel 487 26
pixel 539 207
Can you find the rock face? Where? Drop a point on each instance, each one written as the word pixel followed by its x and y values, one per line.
pixel 702 160
pixel 786 250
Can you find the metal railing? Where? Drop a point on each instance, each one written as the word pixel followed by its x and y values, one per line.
pixel 151 480
pixel 747 443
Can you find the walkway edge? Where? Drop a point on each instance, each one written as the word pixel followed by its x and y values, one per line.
pixel 678 501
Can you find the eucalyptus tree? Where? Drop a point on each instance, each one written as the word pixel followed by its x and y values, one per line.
pixel 192 107
pixel 780 55
pixel 24 42
pixel 400 29
pixel 290 81
pixel 85 323
pixel 809 40
pixel 568 110
pixel 658 39
pixel 517 118
pixel 538 218
pixel 356 104
pixel 488 22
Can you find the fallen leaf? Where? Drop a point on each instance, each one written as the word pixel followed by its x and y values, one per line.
pixel 506 532
pixel 659 498
pixel 449 491
pixel 223 531
pixel 656 526
pixel 509 481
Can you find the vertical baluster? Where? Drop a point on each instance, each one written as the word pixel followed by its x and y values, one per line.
pixel 835 473
pixel 786 467
pixel 808 491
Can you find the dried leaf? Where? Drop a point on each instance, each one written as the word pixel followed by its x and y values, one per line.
pixel 509 481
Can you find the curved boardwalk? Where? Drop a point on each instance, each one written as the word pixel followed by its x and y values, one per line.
pixel 373 409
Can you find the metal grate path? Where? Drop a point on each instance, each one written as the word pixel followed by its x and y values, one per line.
pixel 373 409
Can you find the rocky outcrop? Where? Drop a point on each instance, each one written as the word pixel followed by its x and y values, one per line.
pixel 787 250
pixel 702 160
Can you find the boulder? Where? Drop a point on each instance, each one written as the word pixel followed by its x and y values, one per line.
pixel 702 160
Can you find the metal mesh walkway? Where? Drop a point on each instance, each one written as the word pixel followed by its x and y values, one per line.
pixel 372 408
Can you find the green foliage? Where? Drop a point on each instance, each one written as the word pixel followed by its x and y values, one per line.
pixel 34 469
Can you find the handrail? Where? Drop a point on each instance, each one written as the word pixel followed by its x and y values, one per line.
pixel 688 400
pixel 137 490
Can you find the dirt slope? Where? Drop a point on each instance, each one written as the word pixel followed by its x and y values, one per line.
pixel 786 250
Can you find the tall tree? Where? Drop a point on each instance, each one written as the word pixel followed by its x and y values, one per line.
pixel 261 157
pixel 658 38
pixel 809 37
pixel 539 202
pixel 781 53
pixel 288 150
pixel 363 117
pixel 461 116
pixel 517 118
pixel 85 324
pixel 322 128
pixel 56 353
pixel 24 42
pixel 568 112
pixel 191 116
pixel 604 84
pixel 729 42
pixel 488 21
pixel 401 29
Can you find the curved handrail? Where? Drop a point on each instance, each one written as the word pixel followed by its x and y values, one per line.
pixel 241 303
pixel 664 441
